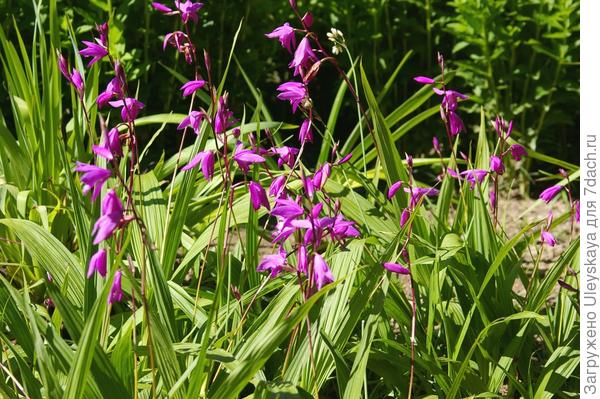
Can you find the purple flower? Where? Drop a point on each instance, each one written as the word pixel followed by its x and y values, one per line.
pixel 322 275
pixel 276 189
pixel 394 189
pixel 305 133
pixel 577 210
pixel 451 97
pixel 474 176
pixel 492 199
pixel 453 173
pixel 287 209
pixel 295 92
pixel 286 36
pixel 181 42
pixel 436 144
pixel 192 86
pixel 342 229
pixel 246 157
pixel 193 120
pixel 548 194
pixel 258 196
pixel 496 164
pixel 161 7
pixel 309 186
pixel 111 146
pixel 302 259
pixel 517 151
pixel 116 293
pixel 548 238
pixel 404 217
pixel 424 80
pixel 103 32
pixel 224 117
pixel 94 50
pixel 93 178
pixel 418 192
pixel 304 57
pixel 321 175
pixel 502 128
pixel 456 124
pixel 287 155
pixel 188 10
pixel 97 263
pixel 113 89
pixel 206 159
pixel 77 81
pixel 396 268
pixel 274 263
pixel 344 159
pixel 130 107
pixel 112 213
pixel 63 65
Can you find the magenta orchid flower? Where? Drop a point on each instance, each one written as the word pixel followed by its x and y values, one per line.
pixel 206 160
pixel 94 50
pixel 344 159
pixel 192 86
pixel 396 268
pixel 548 238
pixel 304 57
pixel 548 194
pixel 224 117
pixel 110 147
pixel 404 217
pixel 246 157
pixel 112 214
pixel 188 10
pixel 416 193
pixel 116 292
pixel 77 81
pixel 287 209
pixel 161 7
pixel 394 189
pixel 305 132
pixel 273 263
pixel 424 80
pixel 258 196
pixel 93 178
pixel 517 151
pixel 321 273
pixel 294 92
pixel 496 164
pixel 277 187
pixel 451 97
pixel 287 155
pixel 63 65
pixel 474 176
pixel 193 120
pixel 130 107
pixel 302 259
pixel 113 89
pixel 493 199
pixel 436 144
pixel 97 263
pixel 456 124
pixel 286 36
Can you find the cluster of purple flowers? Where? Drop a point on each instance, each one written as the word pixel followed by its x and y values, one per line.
pixel 305 220
pixel 93 177
pixel 305 65
pixel 547 196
